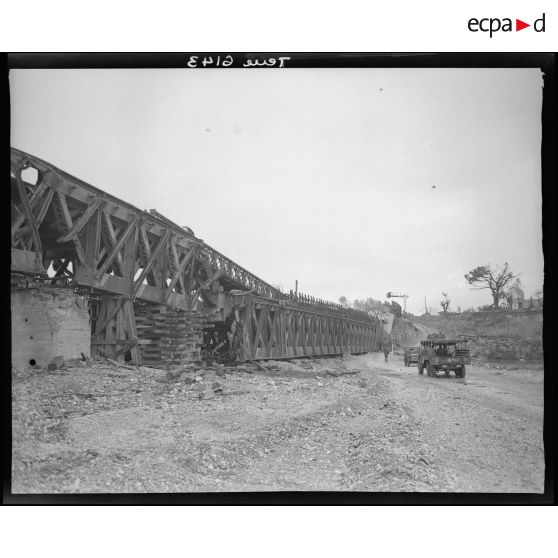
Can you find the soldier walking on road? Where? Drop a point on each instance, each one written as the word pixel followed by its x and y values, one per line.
pixel 386 352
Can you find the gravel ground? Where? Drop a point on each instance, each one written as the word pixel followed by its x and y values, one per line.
pixel 341 424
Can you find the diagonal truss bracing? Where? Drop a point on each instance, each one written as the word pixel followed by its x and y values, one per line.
pixel 272 330
pixel 62 227
pixel 111 245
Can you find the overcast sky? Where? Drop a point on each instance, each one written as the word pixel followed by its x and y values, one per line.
pixel 320 175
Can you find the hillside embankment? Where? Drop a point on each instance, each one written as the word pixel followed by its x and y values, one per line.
pixel 497 335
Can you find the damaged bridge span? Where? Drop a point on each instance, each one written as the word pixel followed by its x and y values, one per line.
pixel 154 291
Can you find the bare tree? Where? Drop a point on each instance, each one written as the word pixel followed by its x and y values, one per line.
pixel 445 303
pixel 493 278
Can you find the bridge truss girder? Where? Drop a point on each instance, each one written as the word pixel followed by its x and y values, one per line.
pixel 267 329
pixel 109 245
pixel 64 228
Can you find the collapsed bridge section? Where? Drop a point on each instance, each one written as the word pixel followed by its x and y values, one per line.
pixel 156 292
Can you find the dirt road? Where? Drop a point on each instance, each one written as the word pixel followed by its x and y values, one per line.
pixel 486 430
pixel 346 424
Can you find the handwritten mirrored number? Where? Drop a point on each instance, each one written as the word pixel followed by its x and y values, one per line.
pixel 193 62
pixel 268 62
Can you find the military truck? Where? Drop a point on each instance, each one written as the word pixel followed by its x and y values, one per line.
pixel 411 355
pixel 445 355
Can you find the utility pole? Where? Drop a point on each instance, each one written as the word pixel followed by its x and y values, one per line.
pixel 296 287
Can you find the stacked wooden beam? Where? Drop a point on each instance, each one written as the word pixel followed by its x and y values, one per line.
pixel 168 336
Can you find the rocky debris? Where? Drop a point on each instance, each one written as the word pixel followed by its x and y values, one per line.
pixel 56 363
pixel 173 375
pixel 261 366
pixel 293 426
pixel 120 364
pixel 341 372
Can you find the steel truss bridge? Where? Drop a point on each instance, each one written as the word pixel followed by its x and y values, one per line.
pixel 65 230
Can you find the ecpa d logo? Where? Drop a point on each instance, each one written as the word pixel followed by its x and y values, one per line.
pixel 492 25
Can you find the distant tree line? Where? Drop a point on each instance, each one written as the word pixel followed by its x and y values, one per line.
pixel 371 305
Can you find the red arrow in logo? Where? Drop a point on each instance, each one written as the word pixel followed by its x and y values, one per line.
pixel 519 25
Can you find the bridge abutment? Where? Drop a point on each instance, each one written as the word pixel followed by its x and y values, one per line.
pixel 48 322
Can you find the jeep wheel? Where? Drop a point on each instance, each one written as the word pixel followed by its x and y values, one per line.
pixel 460 372
pixel 430 370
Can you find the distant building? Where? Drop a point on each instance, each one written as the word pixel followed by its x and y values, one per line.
pixel 516 297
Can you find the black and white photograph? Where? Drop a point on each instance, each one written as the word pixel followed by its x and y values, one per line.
pixel 242 274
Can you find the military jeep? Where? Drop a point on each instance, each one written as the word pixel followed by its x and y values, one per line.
pixel 445 355
pixel 411 355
